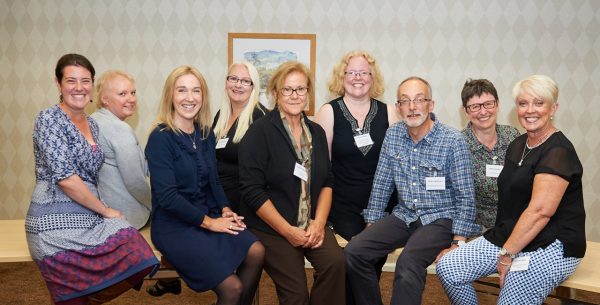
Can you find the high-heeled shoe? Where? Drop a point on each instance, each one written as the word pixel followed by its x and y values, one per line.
pixel 161 287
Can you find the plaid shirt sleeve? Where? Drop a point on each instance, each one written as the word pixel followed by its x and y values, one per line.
pixel 461 177
pixel 383 182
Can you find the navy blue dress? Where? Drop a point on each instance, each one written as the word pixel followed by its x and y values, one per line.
pixel 185 188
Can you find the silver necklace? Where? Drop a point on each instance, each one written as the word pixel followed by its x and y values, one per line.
pixel 523 155
pixel 526 146
pixel 192 139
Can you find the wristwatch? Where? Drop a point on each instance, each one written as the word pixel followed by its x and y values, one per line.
pixel 458 242
pixel 504 252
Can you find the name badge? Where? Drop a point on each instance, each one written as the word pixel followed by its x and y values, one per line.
pixel 300 172
pixel 435 183
pixel 493 170
pixel 520 263
pixel 222 143
pixel 363 140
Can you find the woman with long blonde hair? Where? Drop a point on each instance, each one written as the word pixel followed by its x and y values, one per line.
pixel 240 108
pixel 192 225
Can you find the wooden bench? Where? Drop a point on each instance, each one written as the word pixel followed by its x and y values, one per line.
pixel 13 248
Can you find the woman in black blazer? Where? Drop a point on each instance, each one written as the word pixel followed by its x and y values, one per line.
pixel 286 186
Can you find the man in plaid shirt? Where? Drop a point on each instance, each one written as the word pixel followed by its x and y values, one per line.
pixel 430 165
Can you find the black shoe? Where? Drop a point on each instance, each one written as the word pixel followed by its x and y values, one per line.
pixel 161 287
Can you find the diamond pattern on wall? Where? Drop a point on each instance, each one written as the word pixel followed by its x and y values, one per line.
pixel 445 42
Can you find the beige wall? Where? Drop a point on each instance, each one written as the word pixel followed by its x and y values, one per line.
pixel 442 41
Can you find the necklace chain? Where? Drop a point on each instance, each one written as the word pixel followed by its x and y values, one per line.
pixel 530 148
pixel 192 139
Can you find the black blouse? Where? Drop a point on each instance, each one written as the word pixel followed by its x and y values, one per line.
pixel 354 167
pixel 556 156
pixel 227 161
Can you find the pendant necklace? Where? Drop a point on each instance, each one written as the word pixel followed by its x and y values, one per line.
pixel 523 155
pixel 530 148
pixel 192 139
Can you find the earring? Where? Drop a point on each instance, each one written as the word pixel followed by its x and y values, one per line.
pixel 60 98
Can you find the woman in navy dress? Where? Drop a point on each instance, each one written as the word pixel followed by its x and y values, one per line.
pixel 192 225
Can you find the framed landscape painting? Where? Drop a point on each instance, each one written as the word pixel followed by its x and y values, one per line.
pixel 266 51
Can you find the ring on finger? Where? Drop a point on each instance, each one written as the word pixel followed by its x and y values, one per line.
pixel 230 227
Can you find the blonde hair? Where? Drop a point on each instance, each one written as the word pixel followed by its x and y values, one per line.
pixel 166 108
pixel 104 80
pixel 245 118
pixel 336 83
pixel 278 78
pixel 537 85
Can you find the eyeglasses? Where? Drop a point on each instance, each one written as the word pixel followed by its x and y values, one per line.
pixel 234 80
pixel 418 101
pixel 353 74
pixel 289 91
pixel 476 107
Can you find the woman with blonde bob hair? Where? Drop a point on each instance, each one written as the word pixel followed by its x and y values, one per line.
pixel 286 185
pixel 239 109
pixel 540 224
pixel 122 177
pixel 192 225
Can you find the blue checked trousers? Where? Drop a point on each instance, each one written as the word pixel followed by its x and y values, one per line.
pixel 478 258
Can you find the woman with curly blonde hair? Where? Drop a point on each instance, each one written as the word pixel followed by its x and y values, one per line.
pixel 355 123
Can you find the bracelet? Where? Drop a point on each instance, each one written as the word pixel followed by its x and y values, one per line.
pixel 504 264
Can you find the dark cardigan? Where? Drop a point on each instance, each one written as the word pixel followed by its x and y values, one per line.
pixel 175 178
pixel 266 161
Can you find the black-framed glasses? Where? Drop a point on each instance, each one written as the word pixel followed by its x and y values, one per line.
pixel 289 91
pixel 234 80
pixel 353 74
pixel 418 101
pixel 476 107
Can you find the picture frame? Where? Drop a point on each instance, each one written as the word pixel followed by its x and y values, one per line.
pixel 266 51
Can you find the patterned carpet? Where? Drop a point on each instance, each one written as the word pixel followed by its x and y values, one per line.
pixel 21 284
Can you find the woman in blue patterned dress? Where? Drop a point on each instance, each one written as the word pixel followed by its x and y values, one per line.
pixel 192 224
pixel 86 251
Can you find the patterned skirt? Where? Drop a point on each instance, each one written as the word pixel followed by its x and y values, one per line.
pixel 78 251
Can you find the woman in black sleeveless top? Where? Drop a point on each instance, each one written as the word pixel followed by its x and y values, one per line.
pixel 355 124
